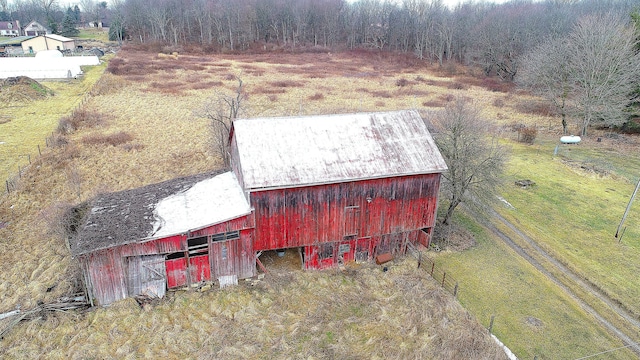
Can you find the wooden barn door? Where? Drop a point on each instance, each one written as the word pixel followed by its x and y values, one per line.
pixel 363 251
pixel 146 275
pixel 224 259
pixel 198 259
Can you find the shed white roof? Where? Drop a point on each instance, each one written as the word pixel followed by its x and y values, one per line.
pixel 58 37
pixel 208 202
pixel 298 151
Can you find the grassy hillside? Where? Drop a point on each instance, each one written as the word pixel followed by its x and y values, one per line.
pixel 138 127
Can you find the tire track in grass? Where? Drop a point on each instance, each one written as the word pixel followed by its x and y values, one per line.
pixel 590 288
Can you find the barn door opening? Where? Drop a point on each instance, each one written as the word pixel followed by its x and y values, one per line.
pixel 345 252
pixel 146 275
pixel 199 269
pixel 363 250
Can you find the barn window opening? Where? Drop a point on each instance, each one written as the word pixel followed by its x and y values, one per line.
pixel 178 255
pixel 325 251
pixel 198 246
pixel 231 235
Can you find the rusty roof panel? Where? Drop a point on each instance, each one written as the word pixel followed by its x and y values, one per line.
pixel 298 151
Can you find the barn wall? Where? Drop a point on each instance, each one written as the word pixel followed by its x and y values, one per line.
pixel 110 275
pixel 106 274
pixel 327 213
pixel 241 223
pixel 327 255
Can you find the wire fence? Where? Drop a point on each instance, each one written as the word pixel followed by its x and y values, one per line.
pixel 438 273
pixel 16 168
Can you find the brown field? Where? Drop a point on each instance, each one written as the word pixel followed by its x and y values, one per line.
pixel 138 127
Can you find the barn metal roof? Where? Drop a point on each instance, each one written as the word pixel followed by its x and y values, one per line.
pixel 159 210
pixel 310 150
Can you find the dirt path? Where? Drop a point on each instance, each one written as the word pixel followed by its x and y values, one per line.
pixel 570 275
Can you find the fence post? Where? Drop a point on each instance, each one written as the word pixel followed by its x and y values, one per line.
pixel 29 157
pixel 444 275
pixel 491 323
pixel 39 152
pixel 455 290
pixel 433 264
pixel 7 182
pixel 419 259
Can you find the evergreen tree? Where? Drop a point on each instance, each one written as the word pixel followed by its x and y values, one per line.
pixel 69 24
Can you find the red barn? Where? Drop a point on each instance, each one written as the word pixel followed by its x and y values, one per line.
pixel 338 188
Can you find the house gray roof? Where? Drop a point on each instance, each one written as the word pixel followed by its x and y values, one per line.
pixel 311 150
pixel 168 208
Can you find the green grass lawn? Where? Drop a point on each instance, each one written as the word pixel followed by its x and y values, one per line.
pixel 93 34
pixel 29 124
pixel 532 315
pixel 574 213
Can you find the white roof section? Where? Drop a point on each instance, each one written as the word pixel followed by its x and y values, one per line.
pixel 299 151
pixel 58 37
pixel 45 67
pixel 207 202
pixel 48 54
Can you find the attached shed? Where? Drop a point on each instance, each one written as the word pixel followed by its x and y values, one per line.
pixel 166 235
pixel 338 188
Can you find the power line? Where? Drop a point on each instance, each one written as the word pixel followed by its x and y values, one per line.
pixel 608 351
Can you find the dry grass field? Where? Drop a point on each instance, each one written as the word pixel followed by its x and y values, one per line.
pixel 138 127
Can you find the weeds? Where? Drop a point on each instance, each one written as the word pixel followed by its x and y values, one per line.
pixel 115 139
pixel 535 107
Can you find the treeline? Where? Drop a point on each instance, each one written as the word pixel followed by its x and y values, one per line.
pixel 483 34
pixel 491 36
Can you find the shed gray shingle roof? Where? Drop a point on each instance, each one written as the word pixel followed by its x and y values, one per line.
pixel 300 151
pixel 126 216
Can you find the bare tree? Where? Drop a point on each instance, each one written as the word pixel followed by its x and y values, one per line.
pixel 590 74
pixel 546 72
pixel 475 159
pixel 221 110
pixel 605 69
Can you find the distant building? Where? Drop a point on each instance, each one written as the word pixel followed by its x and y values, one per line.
pixel 48 42
pixel 13 46
pixel 10 28
pixel 35 29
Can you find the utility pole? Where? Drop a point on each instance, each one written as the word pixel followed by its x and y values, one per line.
pixel 626 212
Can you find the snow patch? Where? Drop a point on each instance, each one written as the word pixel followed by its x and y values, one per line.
pixel 208 202
pixel 507 351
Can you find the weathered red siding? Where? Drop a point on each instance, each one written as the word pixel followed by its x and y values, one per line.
pixel 307 216
pixel 108 275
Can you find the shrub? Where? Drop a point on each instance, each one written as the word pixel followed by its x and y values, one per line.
pixel 535 107
pixel 285 83
pixel 496 85
pixel 527 134
pixel 402 82
pixel 80 117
